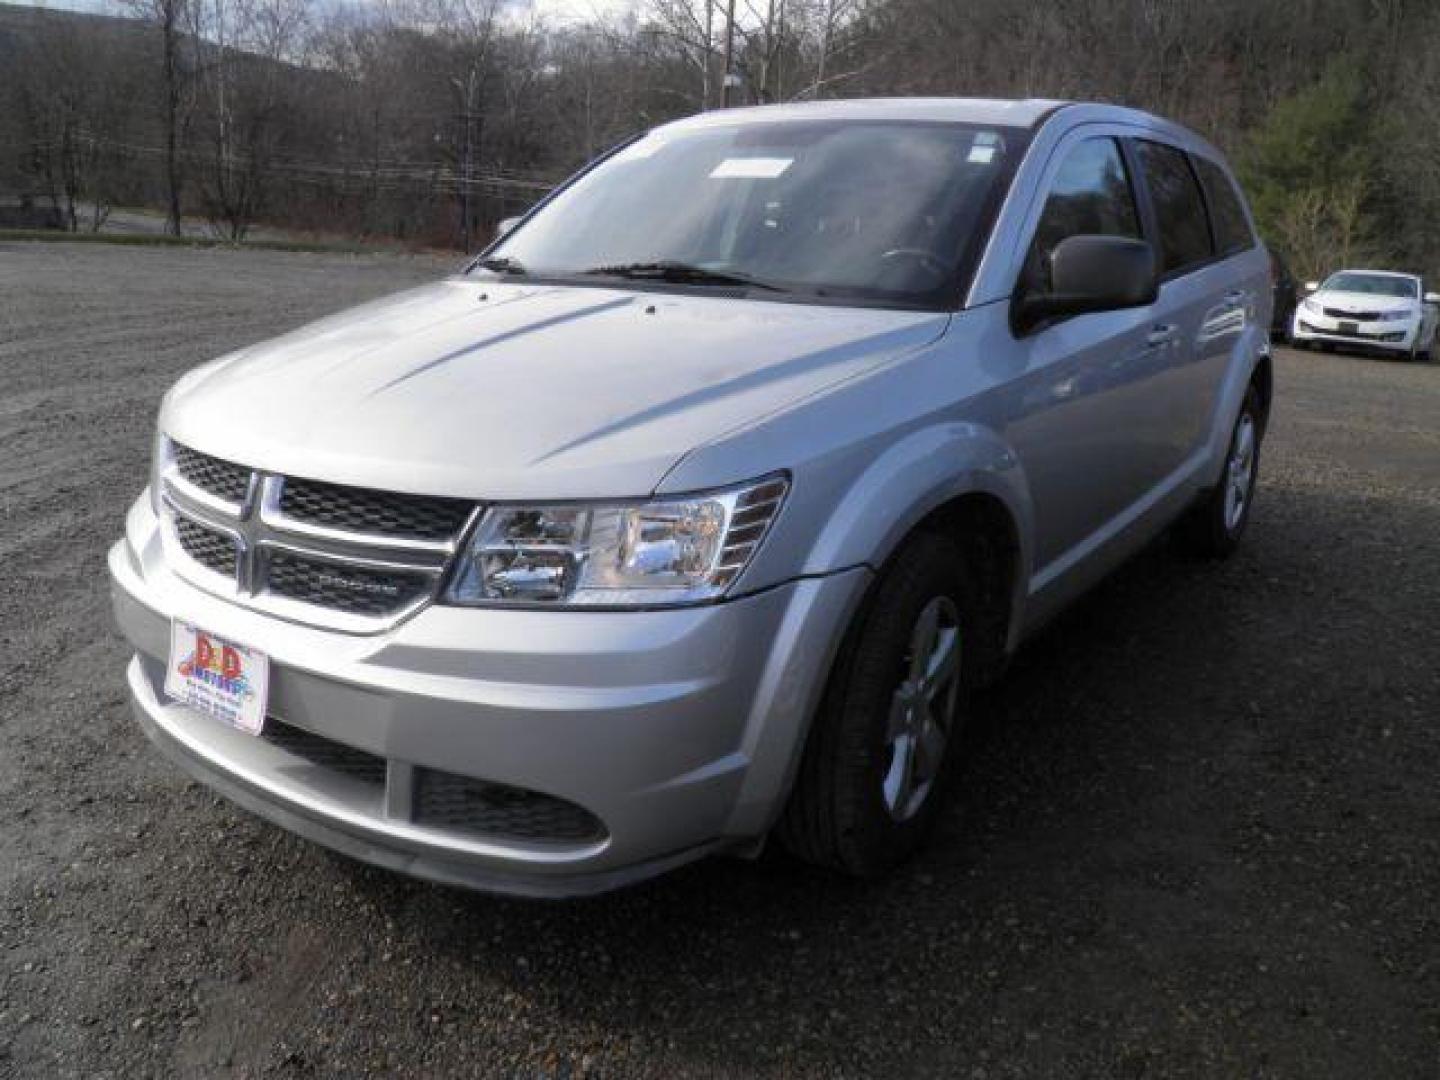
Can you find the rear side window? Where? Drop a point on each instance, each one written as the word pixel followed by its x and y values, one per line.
pixel 1227 214
pixel 1179 207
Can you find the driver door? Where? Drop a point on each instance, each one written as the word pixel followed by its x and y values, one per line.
pixel 1080 413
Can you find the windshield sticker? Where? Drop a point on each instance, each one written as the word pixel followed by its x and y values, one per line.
pixel 639 151
pixel 752 168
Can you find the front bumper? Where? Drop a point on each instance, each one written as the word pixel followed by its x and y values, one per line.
pixel 679 730
pixel 1392 336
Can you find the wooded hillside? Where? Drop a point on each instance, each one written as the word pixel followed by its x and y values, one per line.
pixel 428 120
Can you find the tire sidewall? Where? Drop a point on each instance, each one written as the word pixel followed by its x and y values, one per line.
pixel 928 567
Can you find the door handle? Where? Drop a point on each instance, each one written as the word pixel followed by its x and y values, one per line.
pixel 1162 334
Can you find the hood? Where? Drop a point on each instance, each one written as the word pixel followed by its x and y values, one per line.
pixel 505 391
pixel 1356 301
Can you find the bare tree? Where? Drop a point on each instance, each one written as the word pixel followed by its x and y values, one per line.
pixel 73 109
pixel 170 17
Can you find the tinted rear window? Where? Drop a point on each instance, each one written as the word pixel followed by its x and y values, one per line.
pixel 1227 214
pixel 1179 206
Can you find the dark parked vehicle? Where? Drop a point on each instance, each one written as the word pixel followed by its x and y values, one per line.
pixel 1286 295
pixel 23 212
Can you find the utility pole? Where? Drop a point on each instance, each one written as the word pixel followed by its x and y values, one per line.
pixel 467 153
pixel 727 81
pixel 708 65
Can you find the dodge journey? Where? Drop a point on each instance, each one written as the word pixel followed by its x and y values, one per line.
pixel 690 512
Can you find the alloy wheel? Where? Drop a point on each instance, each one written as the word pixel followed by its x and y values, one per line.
pixel 1240 472
pixel 922 709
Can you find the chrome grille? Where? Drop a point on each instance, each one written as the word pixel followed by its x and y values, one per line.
pixel 381 513
pixel 342 557
pixel 449 801
pixel 1353 316
pixel 364 591
pixel 209 547
pixel 222 479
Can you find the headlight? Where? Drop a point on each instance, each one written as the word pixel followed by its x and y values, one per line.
pixel 673 551
pixel 1312 306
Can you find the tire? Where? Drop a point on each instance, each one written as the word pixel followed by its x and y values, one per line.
pixel 1213 527
pixel 851 808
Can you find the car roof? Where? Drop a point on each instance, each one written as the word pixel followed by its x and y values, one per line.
pixel 1030 113
pixel 1377 273
pixel 990 111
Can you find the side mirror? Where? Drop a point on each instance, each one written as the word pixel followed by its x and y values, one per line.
pixel 1432 298
pixel 507 225
pixel 1091 273
pixel 1311 286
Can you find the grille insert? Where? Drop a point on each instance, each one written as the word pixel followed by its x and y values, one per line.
pixel 380 513
pixel 208 547
pixel 444 800
pixel 222 479
pixel 354 590
pixel 326 753
pixel 1352 316
pixel 455 802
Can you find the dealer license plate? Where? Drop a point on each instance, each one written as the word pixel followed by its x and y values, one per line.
pixel 222 679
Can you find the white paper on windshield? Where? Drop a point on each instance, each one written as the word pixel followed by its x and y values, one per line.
pixel 641 150
pixel 982 155
pixel 751 168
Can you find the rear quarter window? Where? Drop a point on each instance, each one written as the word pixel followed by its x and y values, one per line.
pixel 1179 206
pixel 1227 212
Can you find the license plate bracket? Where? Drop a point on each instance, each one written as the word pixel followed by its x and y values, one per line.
pixel 217 677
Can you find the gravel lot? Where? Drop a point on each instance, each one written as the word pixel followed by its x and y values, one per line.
pixel 1199 834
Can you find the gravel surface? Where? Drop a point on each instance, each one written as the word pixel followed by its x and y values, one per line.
pixel 1199 832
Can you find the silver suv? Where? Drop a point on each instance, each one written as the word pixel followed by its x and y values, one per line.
pixel 690 512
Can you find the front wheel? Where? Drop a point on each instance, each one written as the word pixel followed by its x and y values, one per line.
pixel 879 753
pixel 1213 527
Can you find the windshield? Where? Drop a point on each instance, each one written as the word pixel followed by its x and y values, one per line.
pixel 885 211
pixel 1373 284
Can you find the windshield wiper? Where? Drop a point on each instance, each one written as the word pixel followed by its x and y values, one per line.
pixel 679 273
pixel 503 264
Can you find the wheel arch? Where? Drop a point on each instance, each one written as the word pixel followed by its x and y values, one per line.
pixel 1263 379
pixel 959 479
pixel 1251 364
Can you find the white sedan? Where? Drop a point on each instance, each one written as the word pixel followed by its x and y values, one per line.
pixel 1371 308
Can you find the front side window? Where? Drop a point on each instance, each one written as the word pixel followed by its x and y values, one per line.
pixel 1179 207
pixel 1090 196
pixel 1227 214
pixel 1373 284
pixel 846 210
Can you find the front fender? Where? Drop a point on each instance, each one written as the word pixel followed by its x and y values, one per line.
pixel 911 480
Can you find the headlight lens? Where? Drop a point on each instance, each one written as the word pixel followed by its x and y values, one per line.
pixel 672 551
pixel 1312 306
